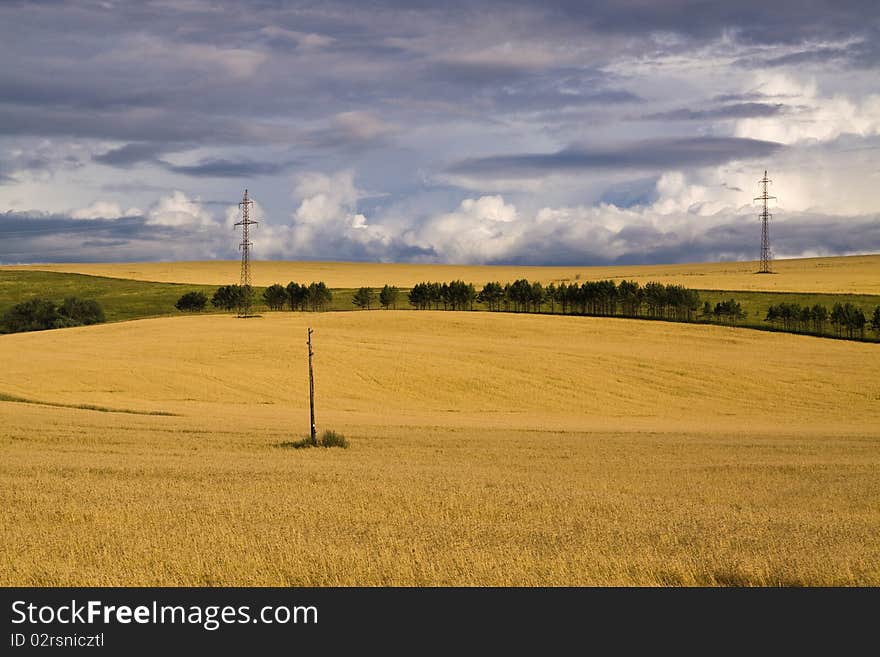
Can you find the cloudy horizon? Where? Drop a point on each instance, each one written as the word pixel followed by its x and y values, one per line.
pixel 482 132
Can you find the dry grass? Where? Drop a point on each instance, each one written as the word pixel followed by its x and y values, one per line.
pixel 485 449
pixel 843 275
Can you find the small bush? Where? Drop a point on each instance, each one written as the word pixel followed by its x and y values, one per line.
pixel 333 439
pixel 192 302
pixel 81 311
pixel 298 444
pixel 329 439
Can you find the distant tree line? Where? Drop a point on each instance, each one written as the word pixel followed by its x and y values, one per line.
pixel 848 320
pixel 628 298
pixel 40 314
pixel 295 296
pixel 602 298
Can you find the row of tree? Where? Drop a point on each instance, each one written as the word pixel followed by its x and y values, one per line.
pixel 847 319
pixel 315 296
pixel 627 298
pixel 456 295
pixel 39 314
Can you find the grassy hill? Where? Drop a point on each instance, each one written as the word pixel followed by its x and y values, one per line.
pixel 129 299
pixel 121 299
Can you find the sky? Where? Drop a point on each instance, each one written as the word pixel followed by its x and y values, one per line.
pixel 497 132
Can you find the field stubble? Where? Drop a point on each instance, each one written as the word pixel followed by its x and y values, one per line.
pixel 486 449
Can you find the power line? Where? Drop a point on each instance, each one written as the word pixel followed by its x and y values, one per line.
pixel 245 247
pixel 766 254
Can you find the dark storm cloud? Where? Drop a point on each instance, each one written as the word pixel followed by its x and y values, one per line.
pixel 631 193
pixel 33 237
pixel 69 60
pixel 387 89
pixel 223 168
pixel 131 154
pixel 161 126
pixel 140 153
pixel 736 240
pixel 747 97
pixel 52 237
pixel 751 20
pixel 648 154
pixel 734 111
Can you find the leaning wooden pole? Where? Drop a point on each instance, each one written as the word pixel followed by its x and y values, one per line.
pixel 314 433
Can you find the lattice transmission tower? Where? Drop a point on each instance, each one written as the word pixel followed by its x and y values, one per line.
pixel 766 254
pixel 245 246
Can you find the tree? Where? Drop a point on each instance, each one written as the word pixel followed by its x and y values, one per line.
pixel 458 295
pixel 848 319
pixel 275 296
pixel 707 310
pixel 226 297
pixel 875 321
pixel 537 296
pixel 552 296
pixel 565 294
pixel 419 296
pixel 520 293
pixel 31 315
pixel 492 295
pixel 730 310
pixel 81 312
pixel 297 296
pixel 435 294
pixel 319 296
pixel 819 315
pixel 655 297
pixel 192 302
pixel 233 297
pixel 606 297
pixel 631 297
pixel 388 297
pixel 364 297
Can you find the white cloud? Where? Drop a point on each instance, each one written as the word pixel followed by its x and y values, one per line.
pixel 104 210
pixel 179 210
pixel 325 224
pixel 325 197
pixel 481 229
pixel 812 116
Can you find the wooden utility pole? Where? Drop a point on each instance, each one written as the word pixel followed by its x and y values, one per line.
pixel 314 433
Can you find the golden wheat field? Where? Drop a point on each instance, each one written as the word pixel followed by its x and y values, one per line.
pixel 846 275
pixel 485 449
